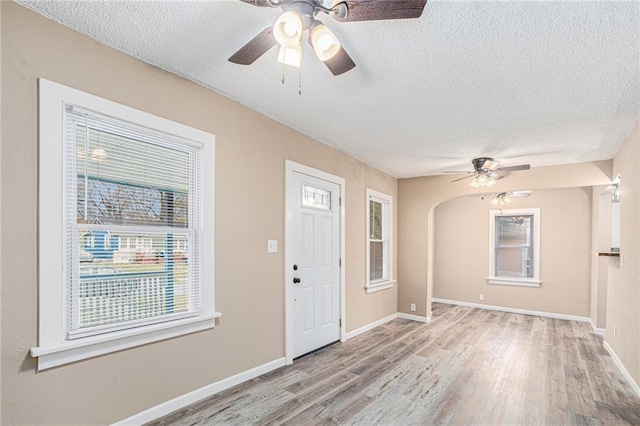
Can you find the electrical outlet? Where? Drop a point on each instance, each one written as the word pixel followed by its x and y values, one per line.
pixel 481 297
pixel 413 307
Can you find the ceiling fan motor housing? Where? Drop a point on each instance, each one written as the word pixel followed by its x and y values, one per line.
pixel 479 162
pixel 306 10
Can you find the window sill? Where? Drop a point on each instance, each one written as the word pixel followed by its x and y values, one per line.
pixel 521 282
pixel 372 288
pixel 76 350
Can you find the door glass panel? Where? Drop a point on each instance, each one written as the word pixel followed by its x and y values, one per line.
pixel 316 197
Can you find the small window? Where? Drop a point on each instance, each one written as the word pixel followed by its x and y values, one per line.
pixel 316 197
pixel 515 247
pixel 379 219
pixel 109 173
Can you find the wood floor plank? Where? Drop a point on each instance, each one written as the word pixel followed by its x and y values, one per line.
pixel 581 399
pixel 308 395
pixel 466 367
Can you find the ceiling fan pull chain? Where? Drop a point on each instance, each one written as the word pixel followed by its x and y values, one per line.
pixel 300 81
pixel 300 70
pixel 283 73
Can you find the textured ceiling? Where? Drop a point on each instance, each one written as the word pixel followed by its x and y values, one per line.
pixel 538 82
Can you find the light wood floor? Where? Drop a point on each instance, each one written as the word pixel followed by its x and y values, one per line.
pixel 468 366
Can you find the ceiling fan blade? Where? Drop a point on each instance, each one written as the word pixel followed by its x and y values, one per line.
pixel 376 10
pixel 513 168
pixel 257 47
pixel 340 63
pixel 519 193
pixel 463 177
pixel 457 172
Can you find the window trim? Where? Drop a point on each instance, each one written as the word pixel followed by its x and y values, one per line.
pixel 515 281
pixel 53 346
pixel 387 230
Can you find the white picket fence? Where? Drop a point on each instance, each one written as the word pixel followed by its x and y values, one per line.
pixel 114 299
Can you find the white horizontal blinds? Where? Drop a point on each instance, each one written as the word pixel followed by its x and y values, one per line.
pixel 132 224
pixel 514 247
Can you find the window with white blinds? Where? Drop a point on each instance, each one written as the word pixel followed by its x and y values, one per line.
pixel 514 247
pixel 125 225
pixel 126 182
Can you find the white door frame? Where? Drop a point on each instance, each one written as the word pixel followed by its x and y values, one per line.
pixel 290 168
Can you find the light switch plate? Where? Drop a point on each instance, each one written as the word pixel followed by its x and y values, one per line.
pixel 272 246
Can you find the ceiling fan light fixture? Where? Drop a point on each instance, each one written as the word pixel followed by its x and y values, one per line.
pixel 482 180
pixel 324 42
pixel 291 56
pixel 501 200
pixel 288 29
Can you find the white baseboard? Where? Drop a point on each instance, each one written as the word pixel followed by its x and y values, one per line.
pixel 622 368
pixel 413 317
pixel 364 329
pixel 182 401
pixel 370 326
pixel 596 330
pixel 513 310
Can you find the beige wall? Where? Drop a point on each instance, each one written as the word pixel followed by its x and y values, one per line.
pixel 251 150
pixel 623 294
pixel 418 198
pixel 461 264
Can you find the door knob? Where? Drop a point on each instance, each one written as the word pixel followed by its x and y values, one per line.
pixel 296 280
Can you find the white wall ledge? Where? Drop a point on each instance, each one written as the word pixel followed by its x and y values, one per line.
pixel 372 288
pixel 522 282
pixel 76 350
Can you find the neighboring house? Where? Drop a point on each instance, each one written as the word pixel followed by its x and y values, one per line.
pixel 101 244
pixel 129 246
pixel 124 248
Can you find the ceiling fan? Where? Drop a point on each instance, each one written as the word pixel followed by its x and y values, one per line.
pixel 487 171
pixel 504 198
pixel 300 15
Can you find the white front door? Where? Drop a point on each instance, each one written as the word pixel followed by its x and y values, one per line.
pixel 315 208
